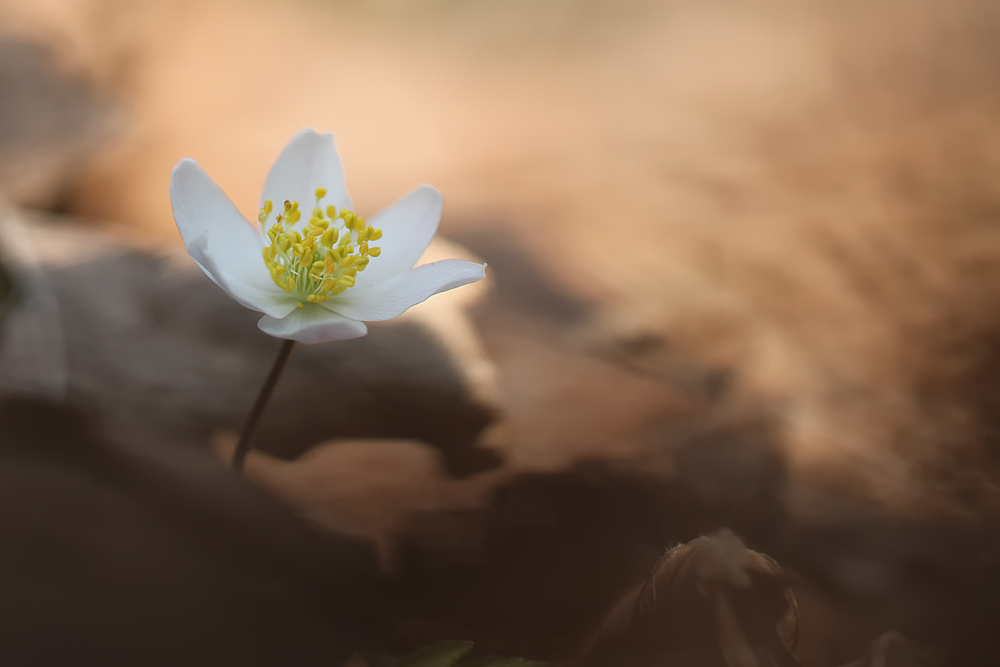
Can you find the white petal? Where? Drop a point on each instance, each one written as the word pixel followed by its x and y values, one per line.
pixel 408 227
pixel 203 211
pixel 394 296
pixel 225 245
pixel 312 324
pixel 309 161
pixel 268 299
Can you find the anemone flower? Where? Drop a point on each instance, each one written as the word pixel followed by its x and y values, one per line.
pixel 314 268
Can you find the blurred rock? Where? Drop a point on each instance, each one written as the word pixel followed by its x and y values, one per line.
pixel 125 554
pixel 169 358
pixel 49 122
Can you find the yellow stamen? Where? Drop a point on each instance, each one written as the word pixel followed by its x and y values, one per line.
pixel 320 259
pixel 329 237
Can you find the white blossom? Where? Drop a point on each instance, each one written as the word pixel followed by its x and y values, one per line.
pixel 315 269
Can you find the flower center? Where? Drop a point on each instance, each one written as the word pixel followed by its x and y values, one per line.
pixel 325 257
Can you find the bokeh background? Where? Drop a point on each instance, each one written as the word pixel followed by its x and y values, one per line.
pixel 744 272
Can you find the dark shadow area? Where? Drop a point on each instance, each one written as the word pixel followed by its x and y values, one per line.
pixel 136 556
pixel 553 551
pixel 546 561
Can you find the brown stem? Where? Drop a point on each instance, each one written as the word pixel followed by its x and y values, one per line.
pixel 243 446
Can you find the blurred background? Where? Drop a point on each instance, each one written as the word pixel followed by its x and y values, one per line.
pixel 744 272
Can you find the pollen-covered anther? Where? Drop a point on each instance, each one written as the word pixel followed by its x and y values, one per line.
pixel 323 257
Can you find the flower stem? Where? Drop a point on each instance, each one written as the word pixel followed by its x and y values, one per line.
pixel 243 447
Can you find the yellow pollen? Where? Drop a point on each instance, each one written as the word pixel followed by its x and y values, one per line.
pixel 321 258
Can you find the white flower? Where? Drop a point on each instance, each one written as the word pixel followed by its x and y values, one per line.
pixel 317 276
